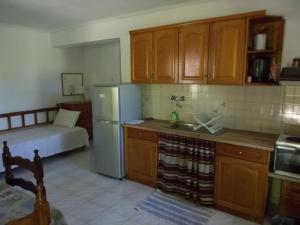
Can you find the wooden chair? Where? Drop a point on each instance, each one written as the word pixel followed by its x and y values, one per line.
pixel 41 213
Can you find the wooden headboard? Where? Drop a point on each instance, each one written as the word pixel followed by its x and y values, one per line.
pixel 21 117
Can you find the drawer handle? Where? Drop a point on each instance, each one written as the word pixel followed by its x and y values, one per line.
pixel 240 152
pixel 140 133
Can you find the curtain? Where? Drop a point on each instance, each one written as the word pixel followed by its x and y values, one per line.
pixel 186 168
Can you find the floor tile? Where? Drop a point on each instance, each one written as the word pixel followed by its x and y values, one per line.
pixel 88 198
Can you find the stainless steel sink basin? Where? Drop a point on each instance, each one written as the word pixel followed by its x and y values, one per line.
pixel 187 127
pixel 190 127
pixel 183 126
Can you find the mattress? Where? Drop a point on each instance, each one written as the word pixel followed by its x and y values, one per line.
pixel 49 140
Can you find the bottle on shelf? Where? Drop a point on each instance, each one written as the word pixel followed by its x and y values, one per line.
pixel 273 71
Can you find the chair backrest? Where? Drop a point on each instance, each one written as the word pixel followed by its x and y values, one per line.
pixel 41 215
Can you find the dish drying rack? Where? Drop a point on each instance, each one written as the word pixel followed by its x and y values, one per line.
pixel 214 124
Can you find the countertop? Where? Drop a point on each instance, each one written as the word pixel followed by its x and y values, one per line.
pixel 250 139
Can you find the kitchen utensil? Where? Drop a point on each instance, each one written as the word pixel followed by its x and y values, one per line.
pixel 260 69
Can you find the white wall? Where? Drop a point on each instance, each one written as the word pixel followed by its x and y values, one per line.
pixel 30 69
pixel 102 63
pixel 119 27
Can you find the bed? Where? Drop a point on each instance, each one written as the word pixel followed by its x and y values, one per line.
pixel 48 138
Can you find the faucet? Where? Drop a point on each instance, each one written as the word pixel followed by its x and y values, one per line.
pixel 177 99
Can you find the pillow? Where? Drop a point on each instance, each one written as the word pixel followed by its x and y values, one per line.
pixel 66 118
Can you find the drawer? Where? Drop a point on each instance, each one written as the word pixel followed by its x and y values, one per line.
pixel 291 190
pixel 141 134
pixel 249 154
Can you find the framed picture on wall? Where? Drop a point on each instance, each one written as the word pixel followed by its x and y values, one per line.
pixel 72 84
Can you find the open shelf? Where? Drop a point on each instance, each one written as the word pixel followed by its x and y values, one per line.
pixel 262 84
pixel 283 177
pixel 269 58
pixel 261 51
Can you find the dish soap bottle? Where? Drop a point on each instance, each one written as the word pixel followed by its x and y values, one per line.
pixel 174 117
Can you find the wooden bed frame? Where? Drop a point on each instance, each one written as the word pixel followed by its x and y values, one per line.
pixel 22 114
pixel 41 214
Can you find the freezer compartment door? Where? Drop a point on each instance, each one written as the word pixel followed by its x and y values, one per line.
pixel 105 103
pixel 108 149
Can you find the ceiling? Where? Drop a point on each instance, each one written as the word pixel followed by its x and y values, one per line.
pixel 55 14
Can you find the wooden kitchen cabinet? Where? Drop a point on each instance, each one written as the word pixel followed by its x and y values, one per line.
pixel 141 57
pixel 165 56
pixel 154 56
pixel 241 176
pixel 208 51
pixel 193 53
pixel 227 52
pixel 290 199
pixel 141 155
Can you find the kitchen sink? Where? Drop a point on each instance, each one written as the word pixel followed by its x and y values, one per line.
pixel 190 127
pixel 183 126
pixel 187 127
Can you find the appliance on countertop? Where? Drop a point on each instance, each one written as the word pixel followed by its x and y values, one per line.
pixel 112 106
pixel 287 156
pixel 290 76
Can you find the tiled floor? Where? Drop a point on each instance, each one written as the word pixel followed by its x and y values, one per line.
pixel 87 198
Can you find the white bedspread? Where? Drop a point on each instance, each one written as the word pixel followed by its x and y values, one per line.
pixel 49 140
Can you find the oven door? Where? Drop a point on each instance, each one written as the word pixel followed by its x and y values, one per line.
pixel 287 161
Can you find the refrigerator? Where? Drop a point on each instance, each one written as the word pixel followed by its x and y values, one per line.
pixel 112 106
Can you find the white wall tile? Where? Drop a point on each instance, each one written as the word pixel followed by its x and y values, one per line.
pixel 265 109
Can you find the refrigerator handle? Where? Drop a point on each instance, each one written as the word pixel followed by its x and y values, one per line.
pixel 101 121
pixel 105 121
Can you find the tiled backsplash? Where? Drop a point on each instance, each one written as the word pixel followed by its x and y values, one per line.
pixel 256 108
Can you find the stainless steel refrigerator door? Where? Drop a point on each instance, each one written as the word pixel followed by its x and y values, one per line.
pixel 105 103
pixel 108 149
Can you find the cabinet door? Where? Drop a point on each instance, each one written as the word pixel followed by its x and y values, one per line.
pixel 141 161
pixel 290 199
pixel 141 57
pixel 165 56
pixel 193 53
pixel 241 187
pixel 227 49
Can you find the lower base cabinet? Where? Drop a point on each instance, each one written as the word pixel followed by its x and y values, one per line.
pixel 241 176
pixel 290 199
pixel 141 155
pixel 241 173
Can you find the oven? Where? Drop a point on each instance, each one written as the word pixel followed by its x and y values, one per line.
pixel 287 156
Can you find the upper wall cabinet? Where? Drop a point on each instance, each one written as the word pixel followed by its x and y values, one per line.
pixel 154 56
pixel 165 56
pixel 210 51
pixel 141 57
pixel 193 53
pixel 227 50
